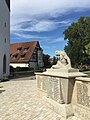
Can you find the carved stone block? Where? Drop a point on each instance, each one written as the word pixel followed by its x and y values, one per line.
pixel 83 94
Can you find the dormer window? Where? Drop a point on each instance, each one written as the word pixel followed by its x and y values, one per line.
pixel 19 49
pixel 23 55
pixel 15 56
pixel 25 49
pixel 10 55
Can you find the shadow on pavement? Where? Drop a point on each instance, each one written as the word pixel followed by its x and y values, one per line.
pixel 23 77
pixel 2 91
pixel 1 86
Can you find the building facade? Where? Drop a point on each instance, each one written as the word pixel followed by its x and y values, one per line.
pixel 4 37
pixel 27 54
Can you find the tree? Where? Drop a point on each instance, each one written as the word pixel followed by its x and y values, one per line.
pixel 78 36
pixel 46 60
pixel 53 60
pixel 88 49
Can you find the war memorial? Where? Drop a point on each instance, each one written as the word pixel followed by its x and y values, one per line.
pixel 65 89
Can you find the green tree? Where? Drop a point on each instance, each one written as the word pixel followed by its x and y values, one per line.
pixel 78 36
pixel 54 60
pixel 88 49
pixel 46 61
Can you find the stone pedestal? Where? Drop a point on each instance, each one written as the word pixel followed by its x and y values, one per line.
pixel 58 85
pixel 65 110
pixel 81 106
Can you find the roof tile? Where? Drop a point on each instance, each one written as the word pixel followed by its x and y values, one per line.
pixel 14 48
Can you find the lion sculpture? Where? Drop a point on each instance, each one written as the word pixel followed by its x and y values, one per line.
pixel 63 62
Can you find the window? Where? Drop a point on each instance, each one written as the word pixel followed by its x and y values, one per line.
pixel 5 24
pixel 23 55
pixel 10 55
pixel 5 40
pixel 34 56
pixel 15 56
pixel 4 64
pixel 19 49
pixel 26 48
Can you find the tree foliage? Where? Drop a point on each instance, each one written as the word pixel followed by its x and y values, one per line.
pixel 54 60
pixel 46 60
pixel 88 49
pixel 78 36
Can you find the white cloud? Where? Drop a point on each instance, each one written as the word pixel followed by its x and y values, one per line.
pixel 24 9
pixel 47 25
pixel 39 26
pixel 34 10
pixel 42 39
pixel 28 36
pixel 43 26
pixel 33 7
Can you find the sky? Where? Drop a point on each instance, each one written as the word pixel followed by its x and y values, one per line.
pixel 45 21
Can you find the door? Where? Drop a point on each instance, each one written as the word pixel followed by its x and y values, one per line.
pixel 4 64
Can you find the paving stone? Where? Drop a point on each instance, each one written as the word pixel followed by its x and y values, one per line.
pixel 19 101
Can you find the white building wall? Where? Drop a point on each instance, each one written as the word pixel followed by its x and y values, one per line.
pixel 31 64
pixel 19 64
pixel 4 34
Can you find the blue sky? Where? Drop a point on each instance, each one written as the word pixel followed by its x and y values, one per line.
pixel 45 21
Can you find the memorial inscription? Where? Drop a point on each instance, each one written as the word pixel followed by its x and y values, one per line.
pixel 55 89
pixel 83 94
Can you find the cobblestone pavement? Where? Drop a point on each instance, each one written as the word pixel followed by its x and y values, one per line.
pixel 19 101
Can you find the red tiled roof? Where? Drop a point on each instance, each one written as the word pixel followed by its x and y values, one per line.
pixel 14 50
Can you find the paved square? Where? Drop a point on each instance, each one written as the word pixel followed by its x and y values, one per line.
pixel 19 101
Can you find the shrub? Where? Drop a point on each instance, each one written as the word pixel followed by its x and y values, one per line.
pixel 12 69
pixel 18 69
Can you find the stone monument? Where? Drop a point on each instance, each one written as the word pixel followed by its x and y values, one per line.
pixel 58 83
pixel 63 62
